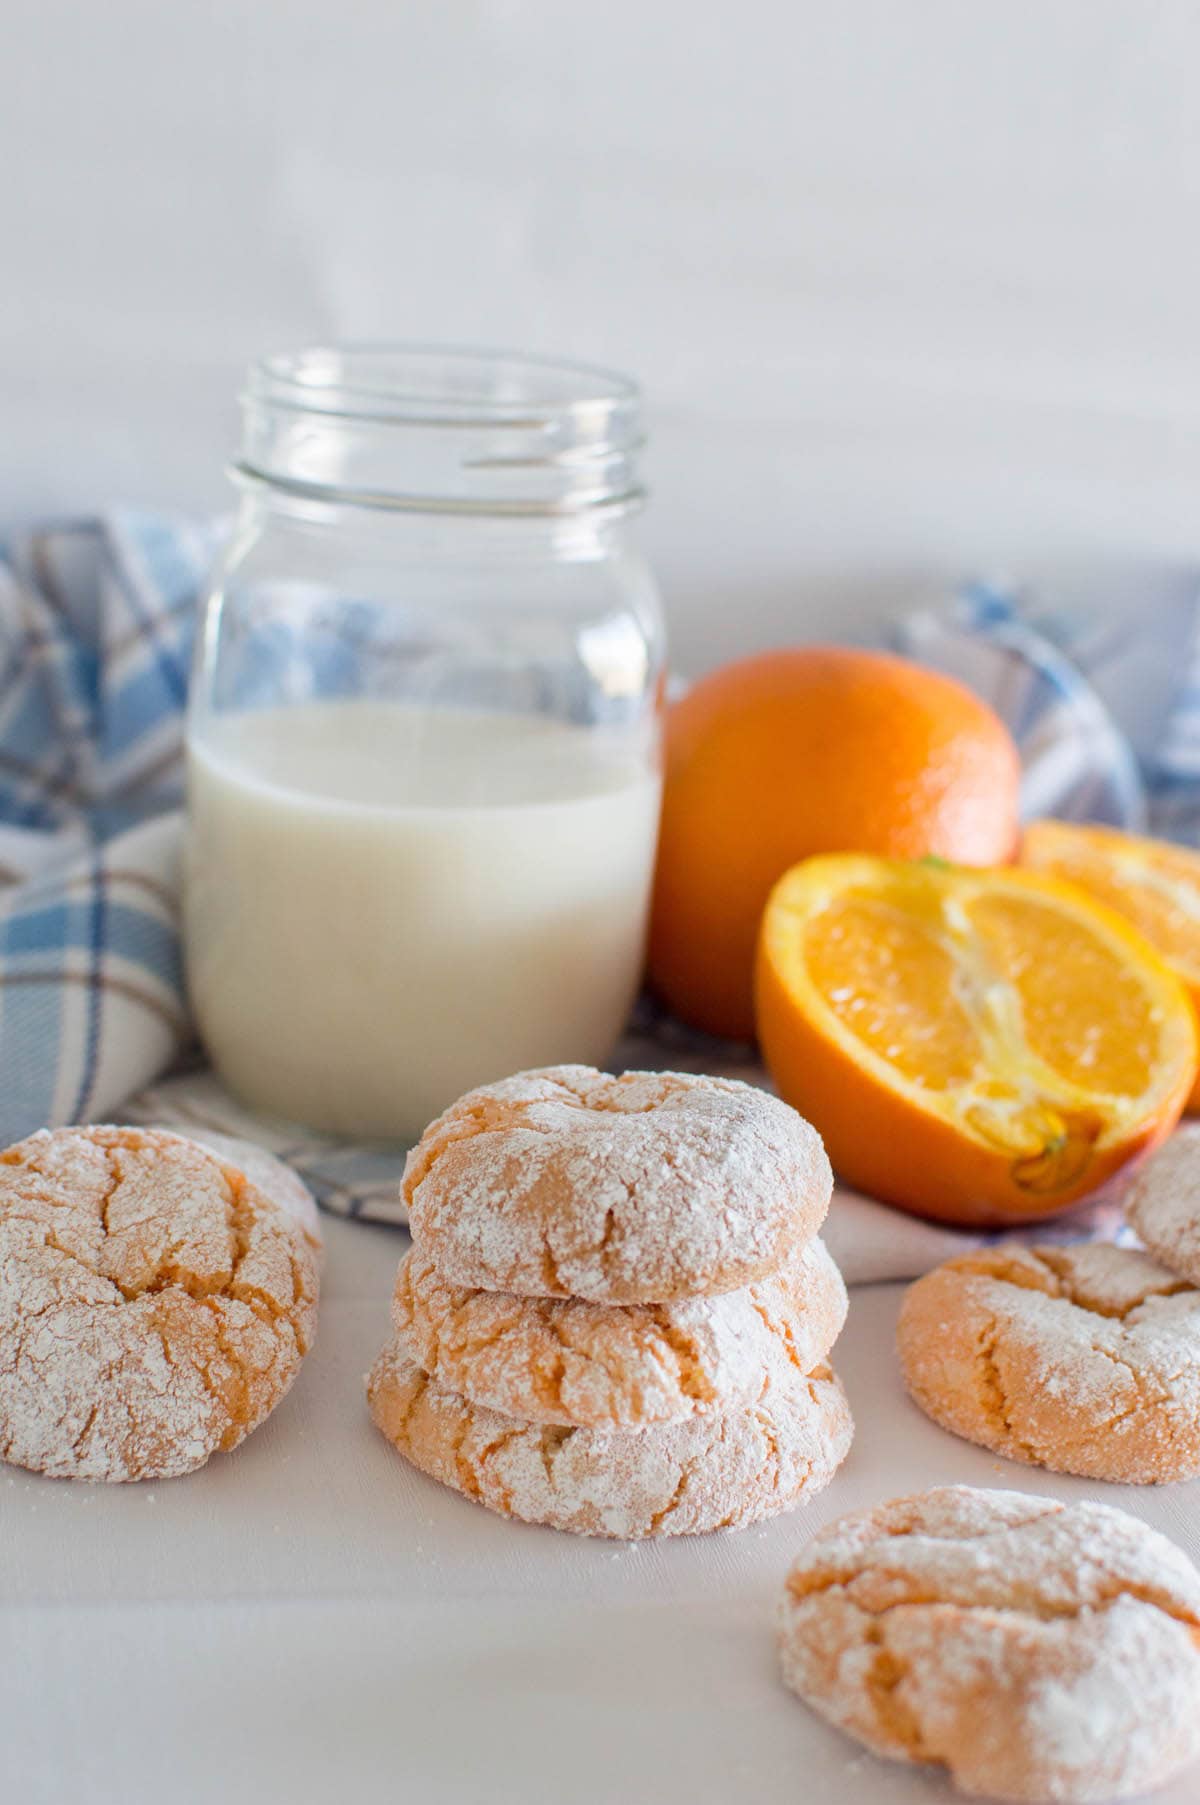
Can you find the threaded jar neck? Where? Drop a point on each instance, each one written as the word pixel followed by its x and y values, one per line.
pixel 430 430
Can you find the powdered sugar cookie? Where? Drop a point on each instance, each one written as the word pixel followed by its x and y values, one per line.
pixel 561 1360
pixel 265 1172
pixel 1081 1359
pixel 1162 1204
pixel 1039 1651
pixel 639 1189
pixel 154 1305
pixel 712 1472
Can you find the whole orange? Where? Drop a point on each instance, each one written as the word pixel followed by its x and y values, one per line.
pixel 801 751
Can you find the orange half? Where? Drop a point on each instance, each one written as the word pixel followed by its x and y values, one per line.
pixel 977 1046
pixel 1154 885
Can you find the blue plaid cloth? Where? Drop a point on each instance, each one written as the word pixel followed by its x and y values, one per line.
pixel 95 637
pixel 96 622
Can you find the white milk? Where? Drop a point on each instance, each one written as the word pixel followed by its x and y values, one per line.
pixel 386 905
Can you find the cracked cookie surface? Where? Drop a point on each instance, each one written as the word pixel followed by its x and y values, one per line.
pixel 154 1304
pixel 1162 1204
pixel 1039 1651
pixel 1082 1359
pixel 598 1366
pixel 266 1173
pixel 712 1472
pixel 640 1189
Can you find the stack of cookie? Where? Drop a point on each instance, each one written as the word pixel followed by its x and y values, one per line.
pixel 615 1315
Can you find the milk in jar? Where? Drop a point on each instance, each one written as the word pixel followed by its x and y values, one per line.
pixel 388 904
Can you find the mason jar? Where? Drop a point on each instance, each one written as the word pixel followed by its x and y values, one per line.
pixel 423 734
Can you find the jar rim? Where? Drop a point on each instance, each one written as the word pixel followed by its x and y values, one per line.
pixel 442 428
pixel 380 380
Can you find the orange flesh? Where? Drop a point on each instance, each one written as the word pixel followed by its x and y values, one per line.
pixel 990 1000
pixel 1060 973
pixel 980 1046
pixel 891 985
pixel 1154 885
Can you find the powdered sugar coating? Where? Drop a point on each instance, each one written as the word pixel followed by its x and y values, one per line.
pixel 719 1471
pixel 154 1306
pixel 639 1189
pixel 1039 1651
pixel 266 1173
pixel 1162 1204
pixel 1082 1359
pixel 562 1360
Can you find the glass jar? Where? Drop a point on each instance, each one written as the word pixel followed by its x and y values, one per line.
pixel 424 735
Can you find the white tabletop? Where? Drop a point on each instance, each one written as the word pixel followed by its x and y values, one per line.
pixel 309 1619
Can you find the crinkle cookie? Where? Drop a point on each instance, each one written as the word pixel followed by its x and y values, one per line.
pixel 1082 1359
pixel 267 1173
pixel 1162 1204
pixel 711 1472
pixel 154 1305
pixel 600 1366
pixel 1039 1651
pixel 639 1189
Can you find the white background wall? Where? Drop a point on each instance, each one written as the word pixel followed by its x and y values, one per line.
pixel 913 285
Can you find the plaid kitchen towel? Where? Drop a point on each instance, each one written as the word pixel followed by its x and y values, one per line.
pixel 95 636
pixel 95 644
